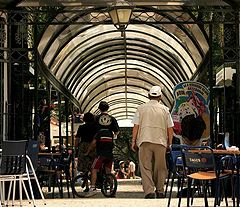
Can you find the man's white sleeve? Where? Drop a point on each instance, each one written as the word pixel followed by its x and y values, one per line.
pixel 135 119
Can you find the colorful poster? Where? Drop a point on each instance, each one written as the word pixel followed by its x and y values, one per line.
pixel 190 113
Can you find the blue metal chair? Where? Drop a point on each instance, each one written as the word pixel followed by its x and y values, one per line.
pixel 31 167
pixel 48 174
pixel 52 171
pixel 202 166
pixel 176 171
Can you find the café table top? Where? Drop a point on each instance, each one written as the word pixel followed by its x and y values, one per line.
pixel 218 151
pixel 49 154
pixel 231 152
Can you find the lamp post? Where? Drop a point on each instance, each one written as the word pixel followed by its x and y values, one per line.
pixel 120 12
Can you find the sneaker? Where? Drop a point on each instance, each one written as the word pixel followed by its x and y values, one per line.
pixel 150 196
pixel 160 195
pixel 91 192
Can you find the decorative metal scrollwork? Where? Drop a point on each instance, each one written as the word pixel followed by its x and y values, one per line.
pixel 147 15
pixel 3 35
pixel 22 33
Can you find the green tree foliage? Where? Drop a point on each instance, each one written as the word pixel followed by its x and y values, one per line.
pixel 122 149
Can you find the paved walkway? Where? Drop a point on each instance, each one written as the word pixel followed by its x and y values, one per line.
pixel 115 202
pixel 128 195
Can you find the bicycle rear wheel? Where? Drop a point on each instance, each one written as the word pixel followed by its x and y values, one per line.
pixel 109 187
pixel 80 185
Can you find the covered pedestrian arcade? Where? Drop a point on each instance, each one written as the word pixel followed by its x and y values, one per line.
pixel 72 55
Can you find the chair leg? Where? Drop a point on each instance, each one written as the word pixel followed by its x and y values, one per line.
pixel 9 191
pixel 216 197
pixel 238 182
pixel 233 190
pixel 39 187
pixel 36 180
pixel 224 192
pixel 1 193
pixel 221 192
pixel 205 193
pixel 2 189
pixel 54 177
pixel 25 190
pixel 20 192
pixel 68 179
pixel 61 185
pixel 170 192
pixel 30 186
pixel 179 180
pixel 167 183
pixel 49 184
pixel 188 192
pixel 180 191
pixel 55 181
pixel 14 189
pixel 193 190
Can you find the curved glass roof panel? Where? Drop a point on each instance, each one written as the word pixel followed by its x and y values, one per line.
pixel 167 42
pixel 95 62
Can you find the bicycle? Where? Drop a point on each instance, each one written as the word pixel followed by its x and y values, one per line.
pixel 107 182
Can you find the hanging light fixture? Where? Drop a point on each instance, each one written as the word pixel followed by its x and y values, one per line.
pixel 120 12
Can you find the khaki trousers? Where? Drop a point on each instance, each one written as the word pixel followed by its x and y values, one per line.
pixel 153 167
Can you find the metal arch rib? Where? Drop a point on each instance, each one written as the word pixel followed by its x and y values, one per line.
pixel 57 84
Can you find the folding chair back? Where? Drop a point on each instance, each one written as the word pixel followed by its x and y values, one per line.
pixel 32 152
pixel 200 159
pixel 13 157
pixel 176 156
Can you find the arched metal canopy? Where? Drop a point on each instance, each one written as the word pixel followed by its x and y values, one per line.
pixel 94 62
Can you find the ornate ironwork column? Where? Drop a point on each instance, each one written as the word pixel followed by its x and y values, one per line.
pixel 237 81
pixel 231 60
pixel 3 79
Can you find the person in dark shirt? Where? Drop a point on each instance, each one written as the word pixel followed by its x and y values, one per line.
pixel 84 137
pixel 107 129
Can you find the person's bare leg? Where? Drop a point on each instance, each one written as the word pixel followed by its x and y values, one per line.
pixel 92 190
pixel 108 170
pixel 93 177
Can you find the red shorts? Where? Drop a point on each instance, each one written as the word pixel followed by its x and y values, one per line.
pixel 99 161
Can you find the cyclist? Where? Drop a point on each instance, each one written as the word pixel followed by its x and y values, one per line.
pixel 107 129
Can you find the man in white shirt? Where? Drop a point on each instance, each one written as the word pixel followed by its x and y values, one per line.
pixel 152 134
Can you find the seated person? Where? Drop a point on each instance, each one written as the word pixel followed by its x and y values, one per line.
pixel 131 169
pixel 121 174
